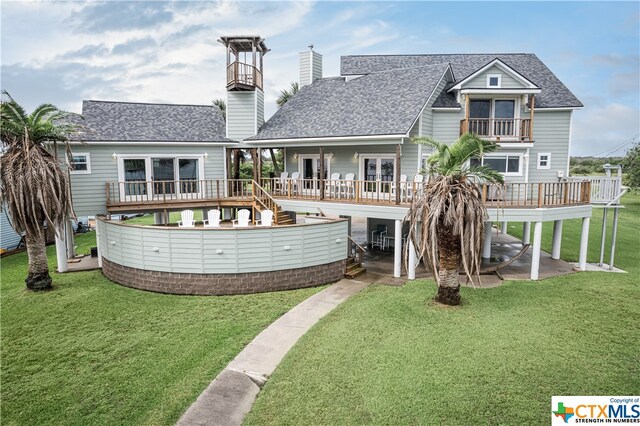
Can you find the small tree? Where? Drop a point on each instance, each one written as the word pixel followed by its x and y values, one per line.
pixel 631 165
pixel 220 103
pixel 447 217
pixel 33 185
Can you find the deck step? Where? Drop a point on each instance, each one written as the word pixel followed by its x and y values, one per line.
pixel 354 273
pixel 353 269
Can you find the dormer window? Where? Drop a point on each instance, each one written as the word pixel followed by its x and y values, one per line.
pixel 494 80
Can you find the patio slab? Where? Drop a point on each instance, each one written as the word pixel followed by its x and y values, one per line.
pixel 86 263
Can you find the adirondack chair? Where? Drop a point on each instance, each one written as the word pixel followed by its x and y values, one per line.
pixel 187 219
pixel 295 182
pixel 266 218
pixel 243 219
pixel 333 185
pixel 213 219
pixel 348 185
pixel 417 185
pixel 281 183
pixel 402 189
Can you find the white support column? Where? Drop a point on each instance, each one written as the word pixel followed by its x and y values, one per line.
pixel 584 243
pixel 486 247
pixel 397 250
pixel 70 240
pixel 535 255
pixel 605 211
pixel 614 236
pixel 504 228
pixel 413 260
pixel 526 232
pixel 557 239
pixel 61 250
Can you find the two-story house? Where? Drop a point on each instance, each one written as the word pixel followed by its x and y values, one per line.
pixel 347 142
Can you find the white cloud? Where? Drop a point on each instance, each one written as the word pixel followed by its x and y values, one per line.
pixel 600 129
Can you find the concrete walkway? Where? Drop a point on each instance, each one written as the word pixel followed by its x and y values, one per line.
pixel 230 396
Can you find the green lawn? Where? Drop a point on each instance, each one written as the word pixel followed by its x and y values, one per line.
pixel 93 352
pixel 390 356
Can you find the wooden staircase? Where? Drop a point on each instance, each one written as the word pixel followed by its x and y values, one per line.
pixel 263 201
pixel 284 218
pixel 353 268
pixel 354 265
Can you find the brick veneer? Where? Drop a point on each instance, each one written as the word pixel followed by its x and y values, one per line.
pixel 219 284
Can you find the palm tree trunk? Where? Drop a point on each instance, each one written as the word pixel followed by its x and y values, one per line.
pixel 449 260
pixel 276 169
pixel 38 278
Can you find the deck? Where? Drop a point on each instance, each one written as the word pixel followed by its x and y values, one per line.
pixel 139 196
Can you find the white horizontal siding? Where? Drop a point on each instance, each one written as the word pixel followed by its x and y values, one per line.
pixel 551 135
pixel 241 114
pixel 223 251
pixel 88 190
pixel 480 81
pixel 9 238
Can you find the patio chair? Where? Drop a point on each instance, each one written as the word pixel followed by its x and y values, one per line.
pixel 266 218
pixel 347 186
pixel 243 219
pixel 417 185
pixel 333 185
pixel 378 235
pixel 295 182
pixel 213 219
pixel 403 187
pixel 187 219
pixel 281 184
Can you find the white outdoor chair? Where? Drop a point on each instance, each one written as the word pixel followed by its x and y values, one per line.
pixel 213 219
pixel 378 237
pixel 348 185
pixel 266 218
pixel 403 186
pixel 295 182
pixel 334 184
pixel 281 183
pixel 187 219
pixel 243 219
pixel 417 185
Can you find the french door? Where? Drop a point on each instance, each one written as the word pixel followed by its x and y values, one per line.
pixel 379 173
pixel 144 177
pixel 309 165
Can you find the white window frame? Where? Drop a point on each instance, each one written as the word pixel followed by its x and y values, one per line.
pixel 490 76
pixel 149 166
pixel 327 160
pixel 548 166
pixel 507 154
pixel 88 163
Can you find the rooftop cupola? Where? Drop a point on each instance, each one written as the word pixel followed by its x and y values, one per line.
pixel 244 61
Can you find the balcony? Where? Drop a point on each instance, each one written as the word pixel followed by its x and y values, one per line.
pixel 499 129
pixel 241 76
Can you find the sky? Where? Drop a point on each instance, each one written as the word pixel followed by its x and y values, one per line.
pixel 147 51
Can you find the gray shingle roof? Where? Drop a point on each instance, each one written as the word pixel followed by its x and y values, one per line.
pixel 141 122
pixel 554 94
pixel 446 99
pixel 385 103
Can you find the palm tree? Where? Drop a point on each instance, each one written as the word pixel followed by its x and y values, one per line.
pixel 220 103
pixel 447 218
pixel 33 184
pixel 285 94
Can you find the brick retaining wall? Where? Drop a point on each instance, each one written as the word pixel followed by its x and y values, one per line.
pixel 220 284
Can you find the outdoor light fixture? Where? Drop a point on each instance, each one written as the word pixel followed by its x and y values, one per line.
pixel 295 155
pixel 330 155
pixel 114 156
pixel 206 155
pixel 355 155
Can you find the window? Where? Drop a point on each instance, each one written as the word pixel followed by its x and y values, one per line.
pixel 79 164
pixel 544 160
pixel 507 164
pixel 494 80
